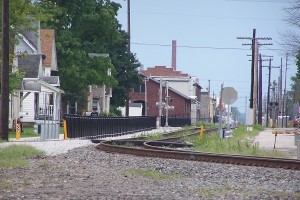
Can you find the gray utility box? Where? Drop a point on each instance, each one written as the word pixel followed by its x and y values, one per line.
pixel 297 138
pixel 48 129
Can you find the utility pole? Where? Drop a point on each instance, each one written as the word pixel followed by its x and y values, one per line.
pixel 284 94
pixel 128 27
pixel 260 92
pixel 280 97
pixel 5 71
pixel 269 87
pixel 160 101
pixel 220 130
pixel 167 105
pixel 260 101
pixel 209 101
pixel 146 96
pixel 268 97
pixel 254 69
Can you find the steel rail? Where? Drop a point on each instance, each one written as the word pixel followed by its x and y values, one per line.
pixel 169 153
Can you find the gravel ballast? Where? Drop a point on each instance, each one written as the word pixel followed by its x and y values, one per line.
pixel 87 173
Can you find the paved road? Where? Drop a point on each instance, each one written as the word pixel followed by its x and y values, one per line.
pixel 284 142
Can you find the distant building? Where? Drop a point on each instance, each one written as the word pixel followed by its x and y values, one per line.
pixel 184 92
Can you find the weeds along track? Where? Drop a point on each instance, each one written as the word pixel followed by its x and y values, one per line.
pixel 165 148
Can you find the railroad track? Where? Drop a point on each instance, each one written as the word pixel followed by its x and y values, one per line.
pixel 161 149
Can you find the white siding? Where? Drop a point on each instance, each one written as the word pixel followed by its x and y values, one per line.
pixel 28 108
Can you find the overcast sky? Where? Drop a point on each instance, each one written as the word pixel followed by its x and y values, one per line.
pixel 206 32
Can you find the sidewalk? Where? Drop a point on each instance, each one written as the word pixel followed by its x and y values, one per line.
pixel 284 142
pixel 58 146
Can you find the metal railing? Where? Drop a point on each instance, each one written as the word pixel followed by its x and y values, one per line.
pixel 176 121
pixel 100 127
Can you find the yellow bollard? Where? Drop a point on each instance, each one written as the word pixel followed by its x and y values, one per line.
pixel 201 131
pixel 18 131
pixel 65 130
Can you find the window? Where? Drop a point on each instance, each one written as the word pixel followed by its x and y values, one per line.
pixel 95 105
pixel 139 89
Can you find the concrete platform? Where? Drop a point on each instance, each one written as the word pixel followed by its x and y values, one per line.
pixel 284 142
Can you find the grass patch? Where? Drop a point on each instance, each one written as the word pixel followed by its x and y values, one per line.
pixel 155 136
pixel 28 132
pixel 215 191
pixel 151 174
pixel 6 184
pixel 240 144
pixel 16 155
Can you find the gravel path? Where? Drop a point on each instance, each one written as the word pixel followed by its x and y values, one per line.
pixel 75 169
pixel 87 173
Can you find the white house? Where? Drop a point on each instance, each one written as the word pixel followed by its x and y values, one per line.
pixel 99 95
pixel 39 96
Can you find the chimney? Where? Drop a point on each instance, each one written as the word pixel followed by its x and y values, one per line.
pixel 174 55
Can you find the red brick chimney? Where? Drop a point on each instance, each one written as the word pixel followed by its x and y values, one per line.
pixel 174 55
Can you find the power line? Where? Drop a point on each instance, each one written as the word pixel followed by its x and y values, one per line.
pixel 262 1
pixel 204 16
pixel 191 47
pixel 195 47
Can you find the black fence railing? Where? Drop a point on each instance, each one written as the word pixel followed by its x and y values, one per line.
pixel 101 127
pixel 176 121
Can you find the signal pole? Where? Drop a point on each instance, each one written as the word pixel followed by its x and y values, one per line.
pixel 254 69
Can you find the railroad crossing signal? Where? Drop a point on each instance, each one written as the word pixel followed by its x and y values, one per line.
pixel 169 107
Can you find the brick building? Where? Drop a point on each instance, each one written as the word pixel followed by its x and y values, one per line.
pixel 148 94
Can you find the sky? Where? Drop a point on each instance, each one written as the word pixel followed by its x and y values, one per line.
pixel 206 32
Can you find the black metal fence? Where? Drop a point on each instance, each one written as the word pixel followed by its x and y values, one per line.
pixel 100 127
pixel 176 121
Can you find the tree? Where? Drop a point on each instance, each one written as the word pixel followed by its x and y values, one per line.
pixel 296 81
pixel 291 42
pixel 83 27
pixel 91 26
pixel 291 39
pixel 126 70
pixel 22 14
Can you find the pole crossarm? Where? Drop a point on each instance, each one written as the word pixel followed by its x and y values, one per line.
pixel 255 38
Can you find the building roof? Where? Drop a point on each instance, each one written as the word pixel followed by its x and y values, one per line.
pixel 35 85
pixel 30 65
pixel 31 86
pixel 163 71
pixel 170 88
pixel 53 80
pixel 30 35
pixel 47 42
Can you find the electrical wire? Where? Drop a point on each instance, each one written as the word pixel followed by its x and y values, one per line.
pixel 198 47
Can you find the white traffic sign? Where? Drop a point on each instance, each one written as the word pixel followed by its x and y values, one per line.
pixel 229 95
pixel 170 107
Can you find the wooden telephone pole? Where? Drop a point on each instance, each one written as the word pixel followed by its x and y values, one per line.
pixel 128 30
pixel 254 70
pixel 5 71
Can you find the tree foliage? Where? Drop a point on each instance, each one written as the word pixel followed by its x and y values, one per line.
pixel 22 14
pixel 126 70
pixel 90 26
pixel 291 41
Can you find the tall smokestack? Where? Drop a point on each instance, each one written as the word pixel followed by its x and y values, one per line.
pixel 174 55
